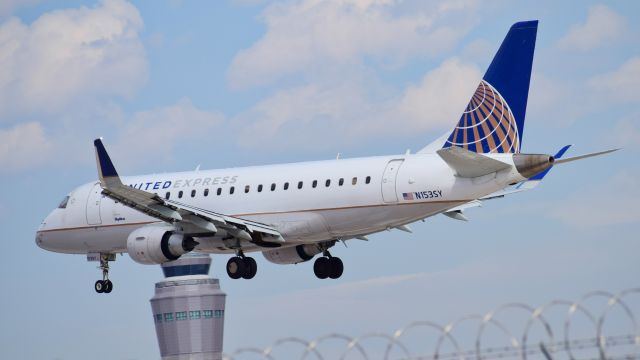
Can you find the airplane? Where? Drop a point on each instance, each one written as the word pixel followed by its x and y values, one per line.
pixel 295 212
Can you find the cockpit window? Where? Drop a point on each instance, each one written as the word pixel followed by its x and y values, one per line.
pixel 63 203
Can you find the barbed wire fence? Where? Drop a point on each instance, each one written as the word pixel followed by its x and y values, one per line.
pixel 557 339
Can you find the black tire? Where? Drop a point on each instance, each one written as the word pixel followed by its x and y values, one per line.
pixel 236 267
pixel 251 268
pixel 108 286
pixel 321 267
pixel 336 267
pixel 99 286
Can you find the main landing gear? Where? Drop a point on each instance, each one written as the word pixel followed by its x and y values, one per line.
pixel 328 266
pixel 241 266
pixel 105 285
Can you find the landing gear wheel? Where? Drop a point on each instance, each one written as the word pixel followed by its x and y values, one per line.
pixel 99 286
pixel 108 286
pixel 335 267
pixel 321 267
pixel 236 267
pixel 251 268
pixel 105 285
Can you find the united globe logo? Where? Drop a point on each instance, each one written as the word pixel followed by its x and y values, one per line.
pixel 487 125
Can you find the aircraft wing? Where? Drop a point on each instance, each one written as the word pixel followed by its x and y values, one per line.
pixel 193 220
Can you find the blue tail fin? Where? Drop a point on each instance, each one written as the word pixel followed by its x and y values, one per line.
pixel 494 119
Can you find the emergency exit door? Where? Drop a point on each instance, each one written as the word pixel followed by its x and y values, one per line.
pixel 389 181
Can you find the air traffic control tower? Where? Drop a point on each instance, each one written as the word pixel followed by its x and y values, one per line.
pixel 188 310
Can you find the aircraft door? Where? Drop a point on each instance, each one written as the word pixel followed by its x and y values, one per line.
pixel 93 205
pixel 389 181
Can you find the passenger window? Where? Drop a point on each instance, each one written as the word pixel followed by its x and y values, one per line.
pixel 327 183
pixel 206 192
pixel 273 187
pixel 167 195
pixel 193 193
pixel 299 184
pixel 354 181
pixel 367 180
pixel 219 191
pixel 341 182
pixel 180 194
pixel 260 188
pixel 286 186
pixel 63 203
pixel 246 189
pixel 314 183
pixel 232 189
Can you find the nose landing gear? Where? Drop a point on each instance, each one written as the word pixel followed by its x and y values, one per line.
pixel 328 266
pixel 105 285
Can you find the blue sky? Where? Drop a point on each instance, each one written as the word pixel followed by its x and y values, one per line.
pixel 171 85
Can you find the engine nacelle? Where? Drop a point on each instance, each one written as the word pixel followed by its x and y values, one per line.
pixel 292 255
pixel 152 245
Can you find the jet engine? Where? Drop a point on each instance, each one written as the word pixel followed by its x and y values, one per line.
pixel 292 255
pixel 152 245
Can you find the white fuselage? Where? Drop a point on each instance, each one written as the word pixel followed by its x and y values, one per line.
pixel 351 198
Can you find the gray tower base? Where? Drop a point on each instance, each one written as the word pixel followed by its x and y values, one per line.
pixel 188 311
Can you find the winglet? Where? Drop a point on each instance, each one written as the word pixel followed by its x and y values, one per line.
pixel 105 166
pixel 557 156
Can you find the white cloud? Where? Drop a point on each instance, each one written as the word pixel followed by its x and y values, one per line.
pixel 69 56
pixel 23 146
pixel 154 134
pixel 593 207
pixel 602 27
pixel 8 7
pixel 626 133
pixel 441 96
pixel 310 35
pixel 349 111
pixel 622 84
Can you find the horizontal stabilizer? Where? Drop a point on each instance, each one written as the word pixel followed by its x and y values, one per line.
pixel 469 164
pixel 560 161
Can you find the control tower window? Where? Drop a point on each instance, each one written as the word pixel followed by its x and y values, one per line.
pixel 194 315
pixel 159 318
pixel 63 203
pixel 207 314
pixel 168 317
pixel 181 315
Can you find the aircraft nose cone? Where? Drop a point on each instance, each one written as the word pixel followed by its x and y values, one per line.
pixel 39 239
